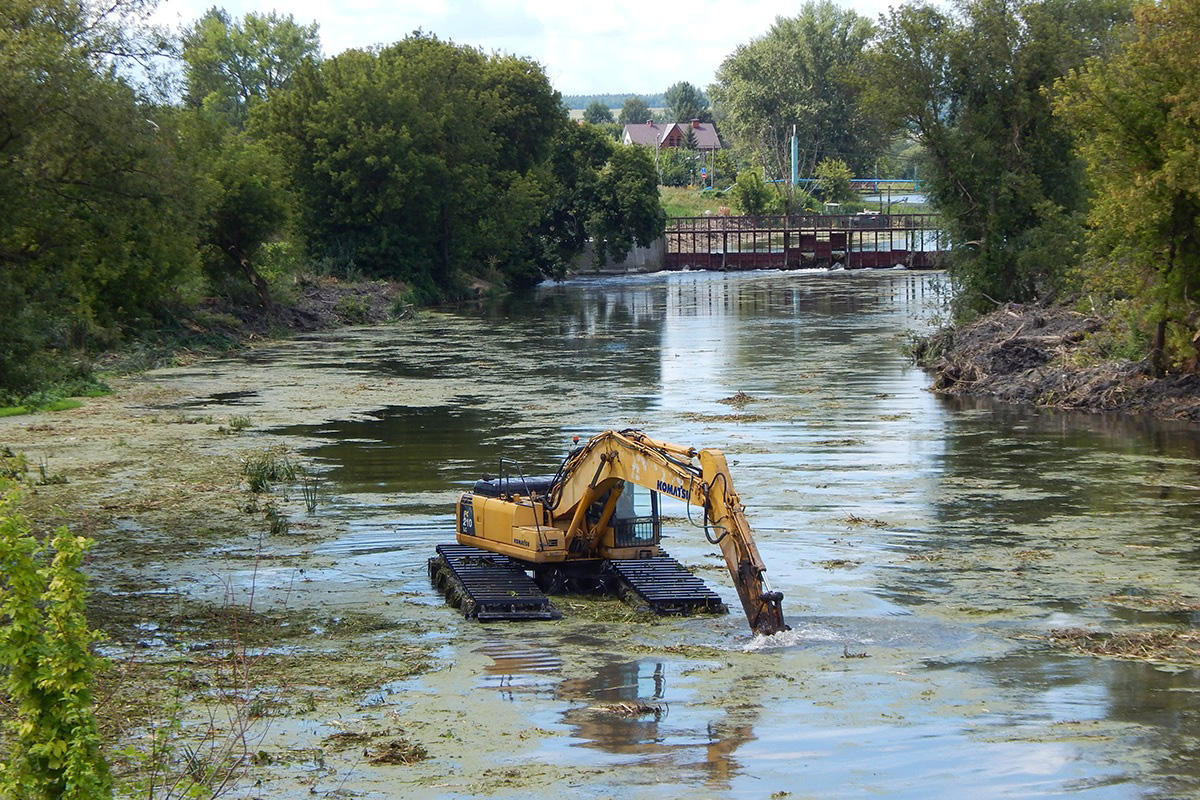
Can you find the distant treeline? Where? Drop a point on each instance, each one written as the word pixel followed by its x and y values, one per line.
pixel 578 102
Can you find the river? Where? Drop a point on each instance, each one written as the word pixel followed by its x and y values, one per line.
pixel 925 549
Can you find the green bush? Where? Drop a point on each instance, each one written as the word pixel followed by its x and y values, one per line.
pixel 48 665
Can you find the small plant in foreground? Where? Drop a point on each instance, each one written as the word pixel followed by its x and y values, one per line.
pixel 280 526
pixel 13 466
pixel 47 478
pixel 48 665
pixel 308 487
pixel 265 468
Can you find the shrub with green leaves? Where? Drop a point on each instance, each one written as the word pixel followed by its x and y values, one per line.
pixel 48 665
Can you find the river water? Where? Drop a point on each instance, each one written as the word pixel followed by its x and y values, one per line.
pixel 925 548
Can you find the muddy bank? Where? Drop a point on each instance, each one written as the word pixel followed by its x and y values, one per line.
pixel 1043 356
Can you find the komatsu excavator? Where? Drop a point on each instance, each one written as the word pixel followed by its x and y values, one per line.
pixel 582 530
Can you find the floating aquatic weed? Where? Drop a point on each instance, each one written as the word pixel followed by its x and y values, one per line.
pixel 657 710
pixel 854 519
pixel 1167 601
pixel 724 417
pixel 399 751
pixel 1173 646
pixel 738 400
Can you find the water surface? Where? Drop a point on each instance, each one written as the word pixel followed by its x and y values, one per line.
pixel 923 546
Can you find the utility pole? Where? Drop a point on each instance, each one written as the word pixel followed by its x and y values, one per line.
pixel 657 147
pixel 795 158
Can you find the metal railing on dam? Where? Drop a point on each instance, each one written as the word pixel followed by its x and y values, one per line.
pixel 854 241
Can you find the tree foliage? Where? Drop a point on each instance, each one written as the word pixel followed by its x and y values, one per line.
pixel 427 159
pixel 685 102
pixel 832 177
pixel 48 667
pixel 597 113
pixel 970 85
pixel 634 111
pixel 96 228
pixel 243 196
pixel 416 158
pixel 1137 116
pixel 601 192
pixel 627 211
pixel 232 64
pixel 800 74
pixel 423 161
pixel 751 193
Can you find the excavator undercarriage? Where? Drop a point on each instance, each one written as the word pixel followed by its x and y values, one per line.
pixel 582 531
pixel 488 586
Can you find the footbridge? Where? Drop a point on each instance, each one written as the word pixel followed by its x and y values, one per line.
pixel 853 241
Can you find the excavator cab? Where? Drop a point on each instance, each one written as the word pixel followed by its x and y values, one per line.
pixel 635 521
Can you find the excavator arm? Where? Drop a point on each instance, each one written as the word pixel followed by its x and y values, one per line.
pixel 598 468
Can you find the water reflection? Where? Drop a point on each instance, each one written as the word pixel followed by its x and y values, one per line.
pixel 630 710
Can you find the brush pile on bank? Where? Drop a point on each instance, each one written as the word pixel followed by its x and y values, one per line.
pixel 1043 355
pixel 314 303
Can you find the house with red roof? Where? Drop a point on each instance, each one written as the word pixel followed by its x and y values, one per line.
pixel 672 134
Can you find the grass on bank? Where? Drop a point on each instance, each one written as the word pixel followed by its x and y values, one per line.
pixel 57 405
pixel 680 201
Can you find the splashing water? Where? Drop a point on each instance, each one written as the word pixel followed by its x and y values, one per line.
pixel 807 634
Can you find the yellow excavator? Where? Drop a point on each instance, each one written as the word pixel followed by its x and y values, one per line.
pixel 595 527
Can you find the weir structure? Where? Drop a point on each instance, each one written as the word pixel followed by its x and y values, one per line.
pixel 853 241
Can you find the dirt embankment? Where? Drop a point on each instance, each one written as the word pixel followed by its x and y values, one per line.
pixel 1042 355
pixel 316 303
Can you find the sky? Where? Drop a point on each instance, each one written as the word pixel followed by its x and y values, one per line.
pixel 597 47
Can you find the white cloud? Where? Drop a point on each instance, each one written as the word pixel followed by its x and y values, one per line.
pixel 603 46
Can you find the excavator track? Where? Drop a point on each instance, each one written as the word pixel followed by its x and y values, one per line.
pixel 664 586
pixel 487 586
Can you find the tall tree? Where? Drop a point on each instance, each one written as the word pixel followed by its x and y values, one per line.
pixel 970 85
pixel 597 113
pixel 628 212
pixel 232 64
pixel 96 229
pixel 1137 116
pixel 685 102
pixel 419 160
pixel 244 200
pixel 601 192
pixel 800 76
pixel 634 111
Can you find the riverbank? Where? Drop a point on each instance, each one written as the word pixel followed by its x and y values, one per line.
pixel 1046 356
pixel 309 303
